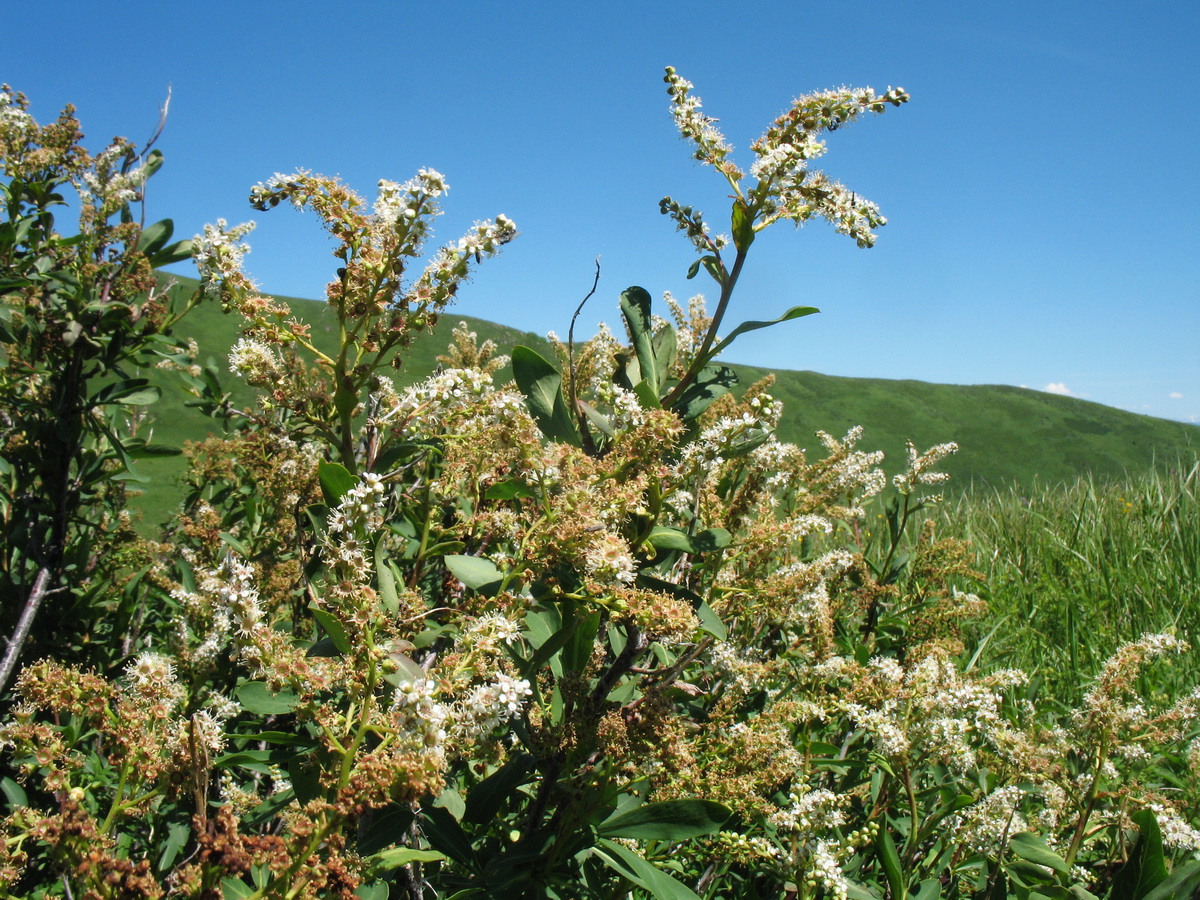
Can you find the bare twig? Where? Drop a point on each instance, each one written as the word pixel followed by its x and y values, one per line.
pixel 16 643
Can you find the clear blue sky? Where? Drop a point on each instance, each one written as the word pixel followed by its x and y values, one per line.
pixel 1040 187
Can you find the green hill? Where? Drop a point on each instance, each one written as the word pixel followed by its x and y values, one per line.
pixel 1007 435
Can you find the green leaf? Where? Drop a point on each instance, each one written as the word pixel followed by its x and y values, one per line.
pixel 889 859
pixel 486 799
pixel 1034 849
pixel 178 835
pixel 664 537
pixel 476 572
pixel 446 835
pixel 333 627
pixel 666 820
pixel 387 860
pixel 14 793
pixel 647 395
pixel 541 384
pixel 635 309
pixel 133 392
pixel 741 222
pixel 376 890
pixel 1145 869
pixel 795 312
pixel 1183 882
pixel 860 892
pixel 258 699
pixel 336 481
pixel 630 865
pixel 385 578
pixel 710 383
pixel 929 889
pixel 177 252
pixel 509 489
pixel 154 237
pixel 234 888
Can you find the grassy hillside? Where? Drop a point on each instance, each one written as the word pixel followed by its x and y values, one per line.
pixel 1008 435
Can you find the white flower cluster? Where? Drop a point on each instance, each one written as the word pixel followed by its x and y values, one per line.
pixel 397 201
pixel 224 605
pixel 929 710
pixel 1176 832
pixel 920 466
pixel 16 125
pixel 425 408
pixel 984 825
pixel 106 187
pixel 608 559
pixel 418 711
pixel 728 437
pixel 811 813
pixel 255 361
pixel 787 163
pixel 490 705
pixel 219 251
pixel 694 125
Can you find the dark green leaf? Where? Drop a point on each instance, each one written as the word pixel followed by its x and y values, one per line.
pixel 333 627
pixel 741 222
pixel 258 699
pixel 446 835
pixel 1034 849
pixel 635 309
pixel 630 865
pixel 711 539
pixel 1183 882
pixel 486 799
pixel 1145 869
pixel 509 489
pixel 711 383
pixel 794 313
pixel 889 859
pixel 336 481
pixel 541 384
pixel 387 827
pixel 666 820
pixel 477 573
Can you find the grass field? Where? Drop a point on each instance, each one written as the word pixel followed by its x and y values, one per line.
pixel 1074 570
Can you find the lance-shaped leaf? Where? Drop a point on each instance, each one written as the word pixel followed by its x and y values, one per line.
pixel 642 873
pixel 541 384
pixel 666 820
pixel 635 309
pixel 795 312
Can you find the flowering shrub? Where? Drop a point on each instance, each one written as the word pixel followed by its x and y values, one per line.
pixel 592 633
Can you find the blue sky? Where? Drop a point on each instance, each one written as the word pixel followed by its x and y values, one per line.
pixel 1037 186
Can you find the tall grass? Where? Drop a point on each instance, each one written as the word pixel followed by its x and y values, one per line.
pixel 1073 570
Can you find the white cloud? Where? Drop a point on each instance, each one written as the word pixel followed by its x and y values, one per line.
pixel 1175 395
pixel 1057 387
